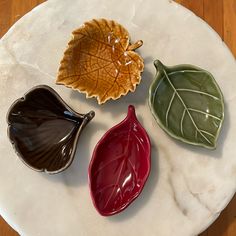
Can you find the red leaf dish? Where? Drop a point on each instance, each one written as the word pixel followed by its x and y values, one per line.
pixel 120 166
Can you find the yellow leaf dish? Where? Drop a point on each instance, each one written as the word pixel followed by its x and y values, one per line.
pixel 100 61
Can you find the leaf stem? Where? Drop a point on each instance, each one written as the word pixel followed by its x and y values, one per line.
pixel 159 66
pixel 131 112
pixel 135 46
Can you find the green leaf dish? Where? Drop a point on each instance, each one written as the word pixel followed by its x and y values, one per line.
pixel 187 103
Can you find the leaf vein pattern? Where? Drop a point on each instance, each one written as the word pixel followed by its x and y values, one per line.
pixel 107 164
pixel 116 184
pixel 121 168
pixel 206 132
pixel 87 72
pixel 114 35
pixel 102 189
pixel 181 123
pixel 90 37
pixel 100 58
pixel 204 113
pixel 198 92
pixel 133 170
pixel 112 86
pixel 168 109
pixel 184 105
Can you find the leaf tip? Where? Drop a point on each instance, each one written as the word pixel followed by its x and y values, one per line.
pixel 212 146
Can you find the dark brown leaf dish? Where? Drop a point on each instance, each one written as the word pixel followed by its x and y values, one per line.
pixel 44 130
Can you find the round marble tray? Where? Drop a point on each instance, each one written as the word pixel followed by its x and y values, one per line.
pixel 188 186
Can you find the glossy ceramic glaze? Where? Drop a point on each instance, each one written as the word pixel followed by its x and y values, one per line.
pixel 187 103
pixel 100 61
pixel 44 130
pixel 120 166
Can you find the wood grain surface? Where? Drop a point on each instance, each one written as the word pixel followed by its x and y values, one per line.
pixel 220 14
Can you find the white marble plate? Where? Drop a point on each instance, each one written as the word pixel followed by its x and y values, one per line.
pixel 188 186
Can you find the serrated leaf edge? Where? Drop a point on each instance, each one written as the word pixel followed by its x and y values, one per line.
pixel 66 55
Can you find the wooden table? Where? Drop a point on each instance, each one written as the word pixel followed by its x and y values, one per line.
pixel 220 14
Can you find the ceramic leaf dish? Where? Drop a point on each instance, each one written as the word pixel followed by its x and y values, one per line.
pixel 187 103
pixel 44 130
pixel 120 166
pixel 100 61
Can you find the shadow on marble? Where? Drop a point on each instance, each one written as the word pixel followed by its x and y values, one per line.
pixel 145 195
pixel 216 153
pixel 77 174
pixel 149 60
